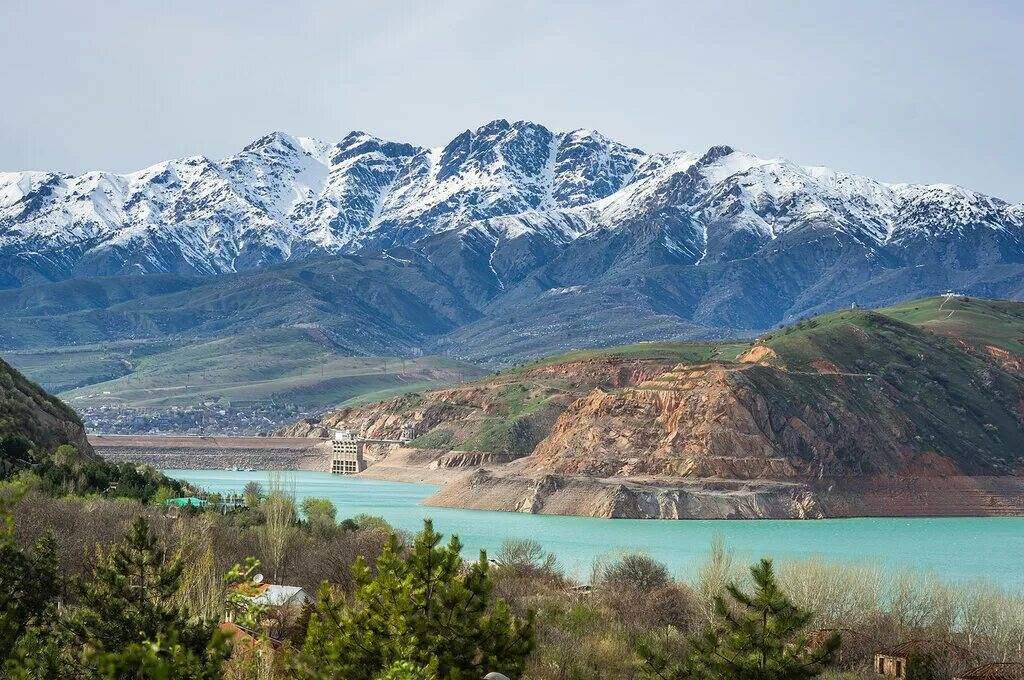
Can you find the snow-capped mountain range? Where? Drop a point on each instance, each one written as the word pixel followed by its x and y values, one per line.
pixel 285 197
pixel 511 240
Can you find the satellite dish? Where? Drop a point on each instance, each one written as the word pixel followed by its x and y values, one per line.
pixel 257 579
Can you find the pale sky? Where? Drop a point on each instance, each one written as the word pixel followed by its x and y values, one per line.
pixel 899 91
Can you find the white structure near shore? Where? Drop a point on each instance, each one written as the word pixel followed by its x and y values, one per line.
pixel 346 453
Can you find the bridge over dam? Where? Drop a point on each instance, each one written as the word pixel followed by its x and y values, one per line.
pixel 216 452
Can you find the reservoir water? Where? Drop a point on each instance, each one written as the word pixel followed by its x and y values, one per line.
pixel 954 549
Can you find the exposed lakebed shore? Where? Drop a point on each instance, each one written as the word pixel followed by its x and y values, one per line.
pixel 956 548
pixel 511 487
pixel 467 481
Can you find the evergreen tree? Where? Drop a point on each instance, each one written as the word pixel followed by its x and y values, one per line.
pixel 16 453
pixel 759 636
pixel 29 585
pixel 422 615
pixel 44 652
pixel 164 659
pixel 922 666
pixel 128 621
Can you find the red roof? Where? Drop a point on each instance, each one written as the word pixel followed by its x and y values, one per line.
pixel 995 671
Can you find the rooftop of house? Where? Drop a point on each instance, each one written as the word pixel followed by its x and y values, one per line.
pixel 908 648
pixel 275 595
pixel 995 671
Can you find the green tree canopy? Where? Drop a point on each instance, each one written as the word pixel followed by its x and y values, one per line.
pixel 424 610
pixel 320 512
pixel 128 622
pixel 759 636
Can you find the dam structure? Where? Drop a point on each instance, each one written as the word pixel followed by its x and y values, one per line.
pixel 347 451
pixel 213 452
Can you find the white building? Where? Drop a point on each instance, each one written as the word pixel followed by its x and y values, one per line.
pixel 346 453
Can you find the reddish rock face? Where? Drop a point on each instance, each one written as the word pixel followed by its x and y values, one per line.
pixel 455 418
pixel 746 421
pixel 854 413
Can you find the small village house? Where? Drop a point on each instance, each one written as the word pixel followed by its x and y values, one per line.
pixel 279 607
pixel 270 595
pixel 892 662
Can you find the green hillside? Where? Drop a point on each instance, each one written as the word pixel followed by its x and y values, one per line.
pixel 909 386
pixel 977 321
pixel 683 352
pixel 27 410
pixel 286 364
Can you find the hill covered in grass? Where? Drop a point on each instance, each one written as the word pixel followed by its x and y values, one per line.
pixel 992 327
pixel 766 428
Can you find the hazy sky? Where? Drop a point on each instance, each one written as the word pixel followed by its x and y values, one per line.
pixel 900 91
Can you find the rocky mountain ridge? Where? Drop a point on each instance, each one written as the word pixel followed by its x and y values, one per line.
pixel 535 242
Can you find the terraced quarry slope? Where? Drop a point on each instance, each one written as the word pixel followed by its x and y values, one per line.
pixel 505 416
pixel 852 413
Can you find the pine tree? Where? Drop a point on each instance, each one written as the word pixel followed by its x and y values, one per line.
pixel 128 620
pixel 28 588
pixel 421 611
pixel 44 652
pixel 759 636
pixel 29 585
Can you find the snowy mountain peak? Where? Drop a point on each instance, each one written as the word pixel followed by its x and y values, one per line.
pixel 284 196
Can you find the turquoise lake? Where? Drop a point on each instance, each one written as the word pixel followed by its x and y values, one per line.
pixel 957 549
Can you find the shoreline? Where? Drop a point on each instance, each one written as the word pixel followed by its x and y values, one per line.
pixel 958 548
pixel 442 479
pixel 471 481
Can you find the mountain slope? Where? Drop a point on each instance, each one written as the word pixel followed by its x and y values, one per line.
pixel 29 411
pixel 854 412
pixel 510 242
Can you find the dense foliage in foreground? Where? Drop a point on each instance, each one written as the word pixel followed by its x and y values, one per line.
pixel 633 620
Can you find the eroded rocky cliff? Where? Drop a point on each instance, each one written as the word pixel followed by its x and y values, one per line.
pixel 853 413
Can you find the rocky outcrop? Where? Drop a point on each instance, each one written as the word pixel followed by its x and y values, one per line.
pixel 27 409
pixel 633 498
pixel 865 396
pixel 505 416
pixel 951 496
